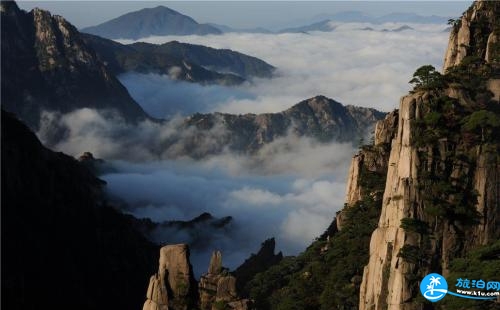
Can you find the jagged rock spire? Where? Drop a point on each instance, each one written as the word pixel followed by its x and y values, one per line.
pixel 173 287
pixel 215 266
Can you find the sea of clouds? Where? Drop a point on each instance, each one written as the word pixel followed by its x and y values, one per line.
pixel 292 188
pixel 348 64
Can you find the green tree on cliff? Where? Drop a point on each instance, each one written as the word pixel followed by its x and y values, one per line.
pixel 426 77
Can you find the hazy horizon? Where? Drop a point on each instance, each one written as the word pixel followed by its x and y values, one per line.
pixel 244 14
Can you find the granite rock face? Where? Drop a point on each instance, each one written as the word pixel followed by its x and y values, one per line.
pixel 414 165
pixel 474 34
pixel 173 287
pixel 46 66
pixel 218 288
pixel 413 162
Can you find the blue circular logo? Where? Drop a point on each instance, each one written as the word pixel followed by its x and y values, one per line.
pixel 434 287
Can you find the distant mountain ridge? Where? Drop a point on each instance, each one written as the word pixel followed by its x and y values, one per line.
pixel 396 17
pixel 147 22
pixel 324 25
pixel 193 63
pixel 319 117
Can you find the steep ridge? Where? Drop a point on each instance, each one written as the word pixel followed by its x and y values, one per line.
pixel 220 60
pixel 147 22
pixel 61 243
pixel 319 117
pixel 47 66
pixel 120 58
pixel 441 198
pixel 193 63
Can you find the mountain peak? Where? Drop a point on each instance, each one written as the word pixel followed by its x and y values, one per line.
pixel 45 58
pixel 146 22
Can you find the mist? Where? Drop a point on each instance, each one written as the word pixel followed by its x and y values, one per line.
pixel 291 206
pixel 351 65
pixel 291 188
pixel 163 97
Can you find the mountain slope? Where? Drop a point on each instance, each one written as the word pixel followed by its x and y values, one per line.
pixel 194 63
pixel 319 117
pixel 156 21
pixel 47 66
pixel 146 58
pixel 61 244
pixel 221 60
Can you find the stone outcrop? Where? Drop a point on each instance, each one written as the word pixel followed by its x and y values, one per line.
pixel 384 269
pixel 474 34
pixel 374 159
pixel 173 287
pixel 217 288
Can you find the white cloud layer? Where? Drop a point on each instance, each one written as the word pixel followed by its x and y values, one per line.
pixel 353 66
pixel 292 187
pixel 288 206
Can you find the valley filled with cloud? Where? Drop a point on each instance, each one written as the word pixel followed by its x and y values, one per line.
pixel 291 188
pixel 356 63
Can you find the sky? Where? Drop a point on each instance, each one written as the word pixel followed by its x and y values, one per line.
pixel 244 14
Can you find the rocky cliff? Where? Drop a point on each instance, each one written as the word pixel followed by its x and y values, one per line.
pixel 173 286
pixel 441 196
pixel 47 66
pixel 218 288
pixel 474 34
